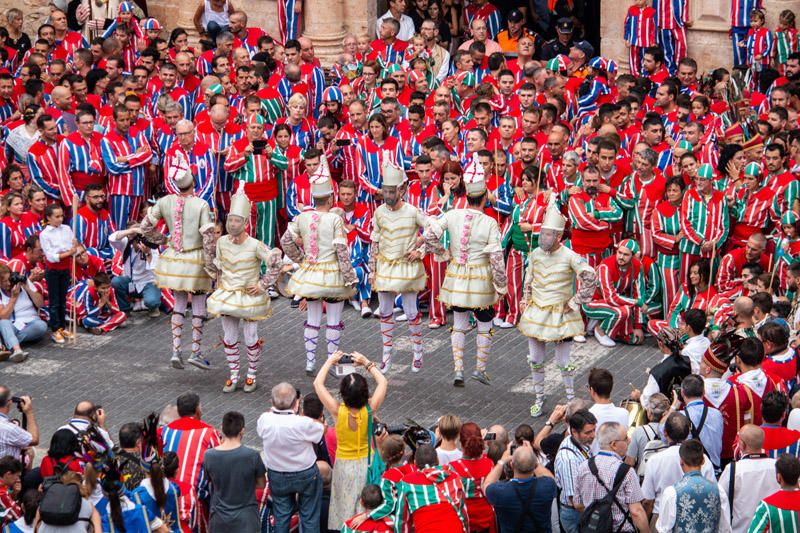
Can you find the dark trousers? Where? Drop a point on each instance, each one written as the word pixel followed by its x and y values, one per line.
pixel 57 286
pixel 306 487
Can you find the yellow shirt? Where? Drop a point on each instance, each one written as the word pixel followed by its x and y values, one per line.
pixel 352 445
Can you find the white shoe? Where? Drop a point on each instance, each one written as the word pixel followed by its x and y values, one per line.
pixel 366 312
pixel 497 321
pixel 505 325
pixel 580 339
pixel 401 318
pixel 604 340
pixel 356 305
pixel 272 293
pixel 138 306
pixel 384 366
pixel 397 310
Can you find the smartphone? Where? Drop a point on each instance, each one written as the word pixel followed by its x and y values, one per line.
pixel 345 366
pixel 258 146
pixel 490 436
pixel 343 142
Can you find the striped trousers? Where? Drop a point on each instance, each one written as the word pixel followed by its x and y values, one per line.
pixel 262 219
pixel 106 323
pixel 673 43
pixel 739 35
pixel 618 321
pixel 363 289
pixel 672 284
pixel 124 208
pixel 435 271
pixel 635 55
pixel 508 307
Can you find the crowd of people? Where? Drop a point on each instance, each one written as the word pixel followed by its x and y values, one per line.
pixel 484 167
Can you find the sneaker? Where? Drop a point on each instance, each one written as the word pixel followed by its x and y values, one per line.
pixel 249 385
pixel 537 409
pixel 497 321
pixel 272 293
pixel 435 324
pixel 295 303
pixel 505 325
pixel 197 360
pixel 416 365
pixel 57 337
pixel 458 378
pixel 366 312
pixel 355 305
pixel 138 306
pixel 482 376
pixel 176 360
pixel 18 357
pixel 604 340
pixel 230 386
pixel 66 334
pixel 154 313
pixel 580 339
pixel 401 318
pixel 385 366
pixel 397 310
pixel 309 368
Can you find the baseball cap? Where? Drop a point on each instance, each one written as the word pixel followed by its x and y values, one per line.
pixel 585 47
pixel 515 15
pixel 564 25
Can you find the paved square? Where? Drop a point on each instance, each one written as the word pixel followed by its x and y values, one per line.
pixel 128 373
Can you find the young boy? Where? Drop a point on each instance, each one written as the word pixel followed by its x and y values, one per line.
pixel 98 310
pixel 371 498
pixel 640 33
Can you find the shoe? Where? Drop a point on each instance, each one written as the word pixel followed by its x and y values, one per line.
pixel 154 313
pixel 57 337
pixel 458 379
pixel 138 306
pixel 580 339
pixel 537 409
pixel 272 293
pixel 4 355
pixel 294 304
pixel 506 325
pixel 397 310
pixel 416 365
pixel 401 318
pixel 604 340
pixel 66 334
pixel 434 324
pixel 355 305
pixel 376 313
pixel 123 325
pixel 385 366
pixel 18 357
pixel 309 368
pixel 366 312
pixel 176 360
pixel 482 376
pixel 230 386
pixel 95 331
pixel 497 321
pixel 198 361
pixel 249 385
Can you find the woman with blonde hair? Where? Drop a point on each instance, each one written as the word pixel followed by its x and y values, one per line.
pixel 297 119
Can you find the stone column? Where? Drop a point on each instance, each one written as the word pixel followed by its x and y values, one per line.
pixel 323 23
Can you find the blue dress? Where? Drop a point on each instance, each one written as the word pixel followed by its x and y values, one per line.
pixel 171 514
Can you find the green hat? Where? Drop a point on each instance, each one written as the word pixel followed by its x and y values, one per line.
pixel 752 169
pixel 685 145
pixel 631 245
pixel 789 218
pixel 706 172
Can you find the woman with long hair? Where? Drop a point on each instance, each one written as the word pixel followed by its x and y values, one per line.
pixel 12 238
pixel 473 468
pixel 732 160
pixel 13 179
pixel 696 293
pixel 159 495
pixel 33 219
pixel 62 454
pixel 354 417
pixel 21 138
pixel 122 514
pixel 179 42
pixel 374 148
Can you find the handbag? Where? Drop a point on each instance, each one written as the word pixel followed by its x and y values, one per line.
pixel 375 465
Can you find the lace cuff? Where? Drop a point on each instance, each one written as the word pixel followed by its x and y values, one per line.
pixel 374 250
pixel 345 266
pixel 499 279
pixel 274 265
pixel 587 284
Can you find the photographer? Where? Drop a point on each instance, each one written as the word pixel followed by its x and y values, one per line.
pixel 138 279
pixel 14 438
pixel 20 302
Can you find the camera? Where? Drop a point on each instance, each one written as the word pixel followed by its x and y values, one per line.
pixel 16 277
pixel 490 436
pixel 343 142
pixel 345 366
pixel 259 146
pixel 380 427
pixel 16 400
pixel 346 360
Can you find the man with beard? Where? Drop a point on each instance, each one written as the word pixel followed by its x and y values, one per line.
pixel 168 82
pixel 202 162
pixel 781 181
pixel 551 304
pixel 93 225
pixel 395 262
pixel 617 308
pixel 729 277
pixel 592 214
pixel 241 293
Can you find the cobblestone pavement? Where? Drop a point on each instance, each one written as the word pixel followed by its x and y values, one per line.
pixel 128 373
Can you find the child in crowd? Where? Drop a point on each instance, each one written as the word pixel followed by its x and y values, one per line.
pixel 98 310
pixel 640 33
pixel 786 41
pixel 449 431
pixel 59 245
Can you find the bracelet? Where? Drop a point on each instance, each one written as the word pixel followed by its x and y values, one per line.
pixel 370 366
pixel 548 423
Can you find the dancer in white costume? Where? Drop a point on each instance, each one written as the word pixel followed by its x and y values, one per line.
pixel 395 262
pixel 241 294
pixel 551 305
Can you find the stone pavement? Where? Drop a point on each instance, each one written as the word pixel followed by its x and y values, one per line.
pixel 128 373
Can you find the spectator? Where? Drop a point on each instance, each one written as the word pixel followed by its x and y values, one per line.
pixel 663 469
pixel 88 418
pixel 449 429
pixel 235 471
pixel 396 11
pixel 601 383
pixel 524 503
pixel 474 469
pixel 30 506
pixel 62 454
pixel 778 513
pixel 138 278
pixel 130 455
pixel 370 499
pixel 10 487
pixel 122 513
pixel 706 422
pixel 353 442
pixel 778 439
pixel 750 479
pixel 88 516
pixel 20 303
pixel 13 438
pixel 158 494
pixel 291 463
pixel 697 343
pixel 597 475
pixel 657 408
pixel 694 503
pixel 573 452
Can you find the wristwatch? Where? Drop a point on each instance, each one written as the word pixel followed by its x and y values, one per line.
pixel 548 423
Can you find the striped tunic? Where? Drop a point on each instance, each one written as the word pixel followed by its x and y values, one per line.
pixel 218 141
pixel 665 223
pixel 425 495
pixel 126 177
pixel 785 44
pixel 671 14
pixel 92 230
pixel 80 161
pixel 43 167
pixel 203 165
pixel 372 156
pixel 759 43
pixel 640 29
pixel 778 513
pixel 703 219
pixel 740 12
pixel 271 103
pixel 489 14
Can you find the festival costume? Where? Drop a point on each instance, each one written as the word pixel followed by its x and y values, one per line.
pixel 185 264
pixel 777 513
pixel 702 219
pixel 640 33
pixel 239 267
pixel 325 271
pixel 432 500
pixel 126 179
pixel 394 236
pixel 552 312
pixel 475 278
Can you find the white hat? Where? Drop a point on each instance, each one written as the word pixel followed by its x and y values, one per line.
pixel 552 217
pixel 474 178
pixel 321 185
pixel 393 176
pixel 179 172
pixel 240 205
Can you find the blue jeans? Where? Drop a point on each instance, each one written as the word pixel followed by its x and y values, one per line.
pixel 213 29
pixel 569 519
pixel 307 486
pixel 150 293
pixel 32 332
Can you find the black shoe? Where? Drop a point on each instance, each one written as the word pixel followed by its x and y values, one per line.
pixel 295 304
pixel 458 381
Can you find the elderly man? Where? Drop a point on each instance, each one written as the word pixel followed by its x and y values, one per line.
pixel 291 462
pixel 201 160
pixel 14 439
pixel 753 478
pixel 606 470
pixel 480 34
pixel 397 10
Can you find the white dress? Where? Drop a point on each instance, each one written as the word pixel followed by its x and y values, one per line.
pixel 395 234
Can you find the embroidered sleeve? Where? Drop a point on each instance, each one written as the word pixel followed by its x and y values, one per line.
pixel 499 279
pixel 374 250
pixel 148 227
pixel 290 247
pixel 343 257
pixel 527 285
pixel 273 260
pixel 209 250
pixel 587 284
pixel 433 236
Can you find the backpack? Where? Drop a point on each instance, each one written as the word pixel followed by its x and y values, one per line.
pixel 597 517
pixel 653 446
pixel 61 504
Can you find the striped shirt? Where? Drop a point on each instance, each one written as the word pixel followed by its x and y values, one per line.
pixel 740 12
pixel 778 513
pixel 569 458
pixel 671 14
pixel 203 165
pixel 80 156
pixel 12 438
pixel 125 177
pixel 640 28
pixel 43 167
pixel 703 219
pixel 590 488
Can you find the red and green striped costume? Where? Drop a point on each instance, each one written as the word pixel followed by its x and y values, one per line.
pixel 778 513
pixel 639 197
pixel 666 224
pixel 433 499
pixel 473 472
pixel 617 304
pixel 702 219
pixel 751 214
pixel 682 302
pixel 787 194
pixel 388 485
pixel 376 526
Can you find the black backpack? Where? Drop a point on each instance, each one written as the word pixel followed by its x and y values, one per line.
pixel 597 517
pixel 61 503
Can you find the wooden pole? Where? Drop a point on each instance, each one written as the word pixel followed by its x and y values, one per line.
pixel 74 308
pixel 710 275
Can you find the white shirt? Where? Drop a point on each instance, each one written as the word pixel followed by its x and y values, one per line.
pixel 288 440
pixel 755 480
pixel 669 512
pixel 407 30
pixel 794 419
pixel 664 470
pixel 694 349
pixel 448 456
pixel 607 412
pixel 55 241
pixel 141 272
pixel 24 311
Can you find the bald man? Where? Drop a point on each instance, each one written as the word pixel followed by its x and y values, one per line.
pixel 62 110
pixel 86 415
pixel 754 477
pixel 219 133
pixel 202 162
